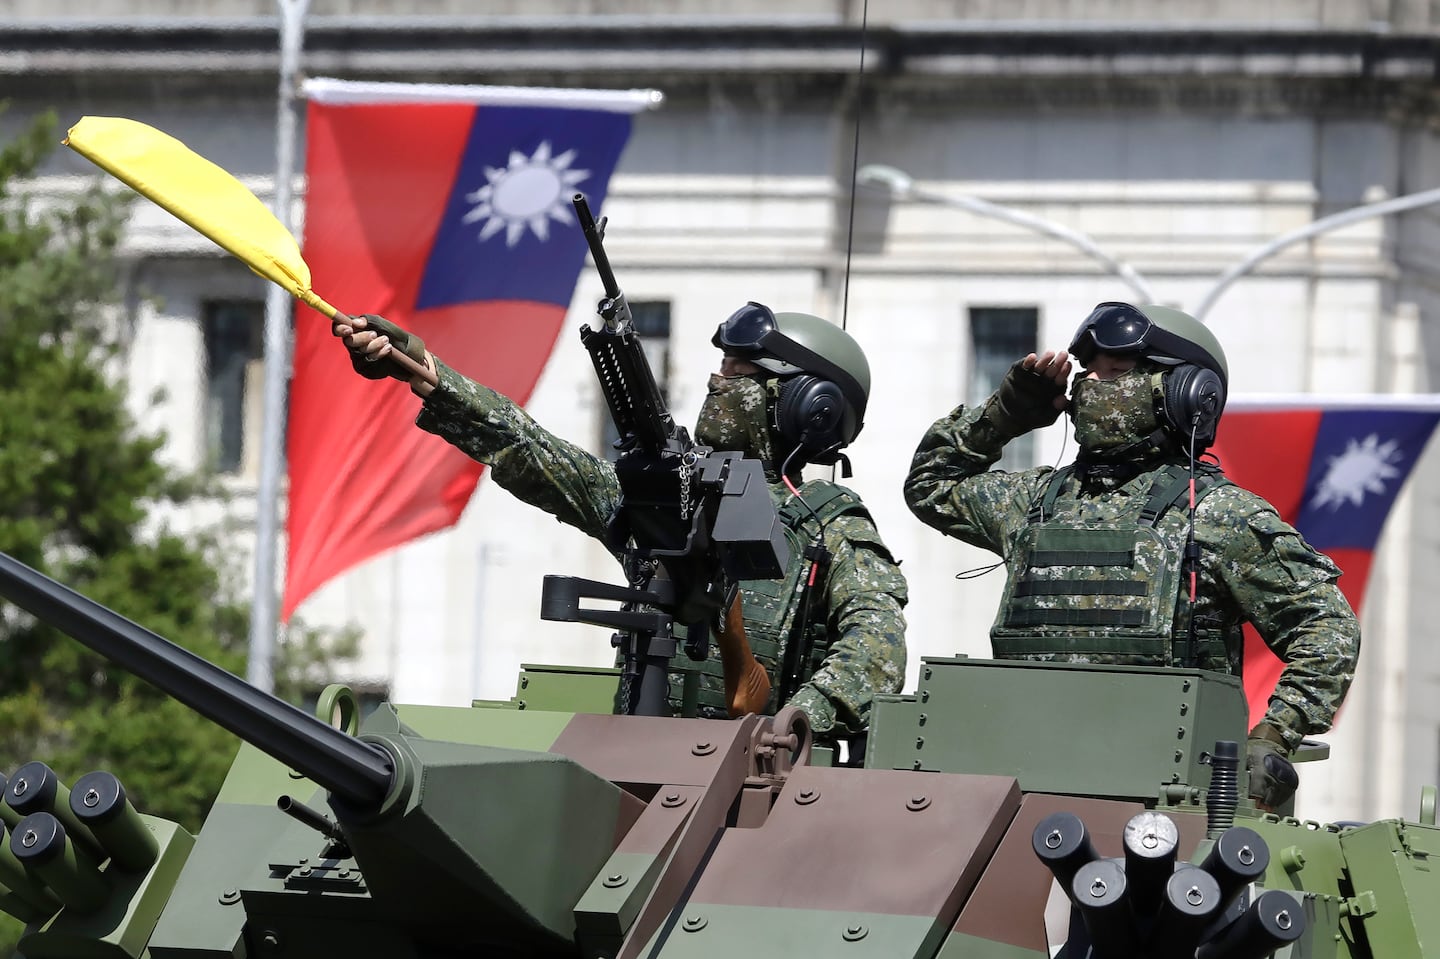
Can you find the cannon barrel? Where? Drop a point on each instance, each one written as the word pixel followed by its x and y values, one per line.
pixel 357 772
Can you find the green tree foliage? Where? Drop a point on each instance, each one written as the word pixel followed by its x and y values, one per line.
pixel 84 498
pixel 78 483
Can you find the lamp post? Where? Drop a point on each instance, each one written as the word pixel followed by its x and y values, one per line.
pixel 900 184
pixel 1325 224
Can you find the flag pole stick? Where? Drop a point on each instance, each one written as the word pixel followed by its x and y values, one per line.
pixel 259 670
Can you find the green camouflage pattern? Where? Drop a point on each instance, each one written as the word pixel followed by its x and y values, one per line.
pixel 1025 401
pixel 774 617
pixel 1253 566
pixel 1112 415
pixel 1069 584
pixel 865 593
pixel 733 417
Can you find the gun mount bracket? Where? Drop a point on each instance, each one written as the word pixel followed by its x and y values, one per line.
pixel 779 746
pixel 560 598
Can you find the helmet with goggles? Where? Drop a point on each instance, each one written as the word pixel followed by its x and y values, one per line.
pixel 1191 390
pixel 1157 333
pixel 787 344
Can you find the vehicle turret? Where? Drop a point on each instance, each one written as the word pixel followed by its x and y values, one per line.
pixel 433 830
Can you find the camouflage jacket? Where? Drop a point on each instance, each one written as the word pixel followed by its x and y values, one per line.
pixel 1253 566
pixel 866 590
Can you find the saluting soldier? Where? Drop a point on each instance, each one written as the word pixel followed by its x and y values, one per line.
pixel 1145 406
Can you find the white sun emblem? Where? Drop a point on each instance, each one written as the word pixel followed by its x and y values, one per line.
pixel 530 191
pixel 1362 468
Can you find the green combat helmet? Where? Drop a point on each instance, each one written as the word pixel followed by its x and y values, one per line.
pixel 825 378
pixel 1193 390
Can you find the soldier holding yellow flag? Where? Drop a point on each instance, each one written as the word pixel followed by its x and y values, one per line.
pixel 791 390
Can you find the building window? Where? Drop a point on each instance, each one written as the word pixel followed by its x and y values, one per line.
pixel 652 324
pixel 234 343
pixel 998 337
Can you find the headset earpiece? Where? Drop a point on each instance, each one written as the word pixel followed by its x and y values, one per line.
pixel 1194 398
pixel 811 413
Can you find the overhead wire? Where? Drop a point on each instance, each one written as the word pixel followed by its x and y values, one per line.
pixel 854 166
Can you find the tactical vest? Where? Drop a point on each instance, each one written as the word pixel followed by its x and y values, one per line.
pixel 1109 591
pixel 774 614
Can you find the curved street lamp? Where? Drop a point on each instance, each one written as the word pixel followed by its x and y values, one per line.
pixel 901 184
pixel 1325 224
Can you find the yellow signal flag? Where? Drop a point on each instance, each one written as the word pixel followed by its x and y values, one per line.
pixel 200 193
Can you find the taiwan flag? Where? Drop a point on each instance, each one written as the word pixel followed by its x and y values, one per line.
pixel 447 210
pixel 1332 467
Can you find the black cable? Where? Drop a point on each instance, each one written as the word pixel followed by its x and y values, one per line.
pixel 854 166
pixel 1191 564
pixel 817 548
pixel 975 572
pixel 796 649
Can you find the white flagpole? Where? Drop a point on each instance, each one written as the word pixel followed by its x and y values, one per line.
pixel 1407 402
pixel 279 307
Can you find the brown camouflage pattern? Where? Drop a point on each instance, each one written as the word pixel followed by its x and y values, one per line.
pixel 866 591
pixel 1253 566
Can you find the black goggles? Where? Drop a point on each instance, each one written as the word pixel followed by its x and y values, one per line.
pixel 1112 328
pixel 745 332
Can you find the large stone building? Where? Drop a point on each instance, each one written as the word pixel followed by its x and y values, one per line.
pixel 1179 134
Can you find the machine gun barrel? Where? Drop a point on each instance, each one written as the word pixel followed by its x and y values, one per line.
pixel 636 405
pixel 355 771
pixel 618 312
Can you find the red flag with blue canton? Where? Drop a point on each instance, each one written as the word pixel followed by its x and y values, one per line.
pixel 1332 467
pixel 447 211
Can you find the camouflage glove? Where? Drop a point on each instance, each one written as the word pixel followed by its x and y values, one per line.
pixel 1024 402
pixel 402 340
pixel 819 709
pixel 1273 778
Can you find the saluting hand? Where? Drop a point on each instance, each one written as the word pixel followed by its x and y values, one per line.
pixel 1054 365
pixel 1031 395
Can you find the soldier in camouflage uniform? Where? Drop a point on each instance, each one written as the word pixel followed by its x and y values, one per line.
pixel 1099 554
pixel 791 390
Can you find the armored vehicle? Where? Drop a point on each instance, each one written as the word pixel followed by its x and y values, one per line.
pixel 544 826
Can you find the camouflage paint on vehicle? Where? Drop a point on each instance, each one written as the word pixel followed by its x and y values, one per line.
pixel 428 832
